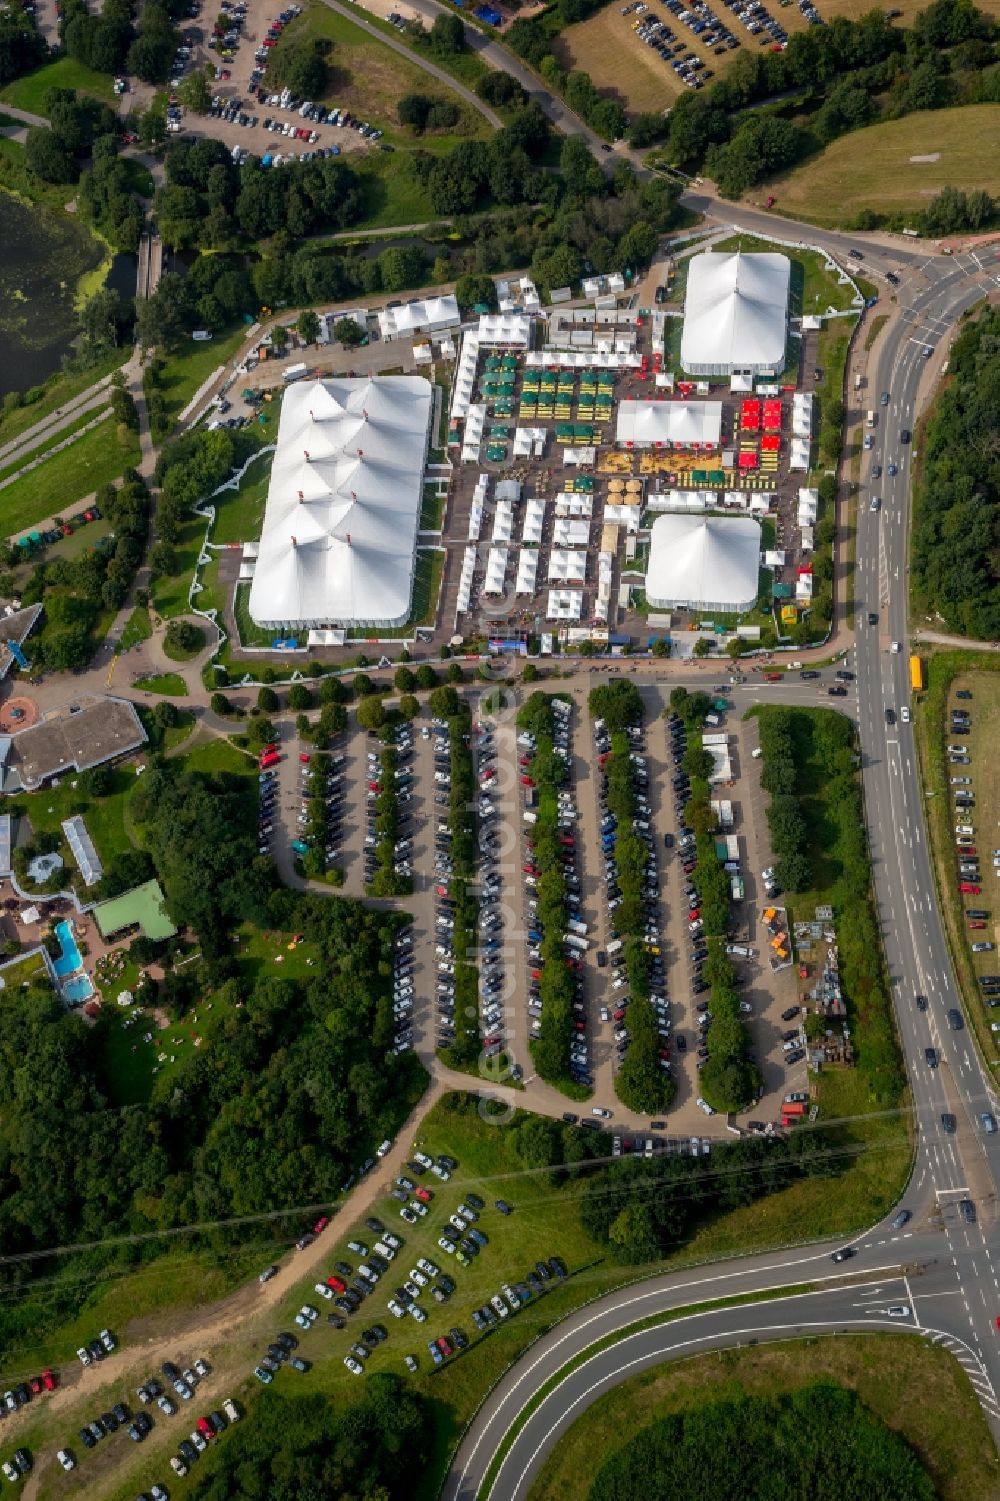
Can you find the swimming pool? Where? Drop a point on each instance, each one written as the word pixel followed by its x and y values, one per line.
pixel 69 960
pixel 80 988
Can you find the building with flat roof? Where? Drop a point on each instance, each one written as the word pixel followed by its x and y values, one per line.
pixel 736 314
pixel 703 563
pixel 74 737
pixel 144 907
pixel 338 546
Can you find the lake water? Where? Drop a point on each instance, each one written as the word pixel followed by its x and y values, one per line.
pixel 43 254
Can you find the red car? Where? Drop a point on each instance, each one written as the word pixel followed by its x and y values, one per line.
pixel 36 1384
pixel 305 759
pixel 443 1345
pixel 968 888
pixel 320 1224
pixel 440 890
pixel 977 925
pixel 693 914
pixel 49 1381
pixel 619 1015
pixel 205 1428
pixel 423 1194
pixel 336 1284
pixel 529 870
pixel 525 761
pixel 536 974
pixel 269 750
pixel 374 786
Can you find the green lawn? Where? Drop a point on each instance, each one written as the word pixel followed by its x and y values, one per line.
pixel 170 595
pixel 137 628
pixel 65 73
pixel 58 484
pixel 916 1388
pixel 250 634
pixel 34 447
pixel 874 168
pixel 27 971
pixel 177 654
pixel 138 179
pixel 186 370
pixel 55 393
pixel 431 509
pixel 104 816
pixel 239 514
pixel 169 683
pixel 392 196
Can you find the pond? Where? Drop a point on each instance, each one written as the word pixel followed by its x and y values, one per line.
pixel 43 255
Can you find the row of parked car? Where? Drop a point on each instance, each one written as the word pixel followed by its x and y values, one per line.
pixel 759 22
pixel 617 1012
pixel 444 869
pixel 401 746
pixel 320 819
pixel 575 937
pixel 492 978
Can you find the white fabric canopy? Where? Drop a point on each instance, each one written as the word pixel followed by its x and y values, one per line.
pixel 423 316
pixel 564 604
pixel 703 562
pixel 527 572
pixel 534 519
pixel 684 423
pixel 496 570
pixel 735 314
pixel 566 565
pixel 340 524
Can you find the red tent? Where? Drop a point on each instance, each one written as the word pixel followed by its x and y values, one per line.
pixel 771 443
pixel 747 461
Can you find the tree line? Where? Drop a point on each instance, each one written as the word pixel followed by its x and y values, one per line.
pixel 304 1448
pixel 810 771
pixel 237 1128
pixel 731 1447
pixel 841 76
pixel 557 984
pixel 641 1083
pixel 730 1079
pixel 954 551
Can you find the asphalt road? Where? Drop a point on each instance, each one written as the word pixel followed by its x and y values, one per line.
pixel 946 1259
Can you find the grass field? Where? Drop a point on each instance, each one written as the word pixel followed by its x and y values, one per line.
pixel 60 482
pixel 873 168
pixel 918 1390
pixel 35 447
pixel 170 595
pixel 137 628
pixel 169 683
pixel 392 196
pixel 368 79
pixel 186 371
pixel 55 394
pixel 607 47
pixel 179 654
pixel 104 816
pixel 65 73
pixel 980 675
pixel 239 514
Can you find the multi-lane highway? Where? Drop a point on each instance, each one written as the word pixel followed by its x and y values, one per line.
pixel 946 1273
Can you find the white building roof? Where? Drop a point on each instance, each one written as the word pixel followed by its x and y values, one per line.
pixel 419 317
pixel 343 504
pixel 708 561
pixel 684 423
pixel 735 311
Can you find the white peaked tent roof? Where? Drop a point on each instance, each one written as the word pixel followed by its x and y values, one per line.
pixel 735 310
pixel 343 503
pixel 710 560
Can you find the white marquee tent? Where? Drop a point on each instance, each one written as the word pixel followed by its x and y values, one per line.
pixel 425 315
pixel 669 424
pixel 340 525
pixel 735 314
pixel 527 572
pixel 496 570
pixel 703 562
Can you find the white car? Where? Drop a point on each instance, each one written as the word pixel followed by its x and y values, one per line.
pixel 353 1366
pixel 178 1466
pixel 202 1367
pixel 310 1313
pixel 440 1172
pixel 418 1209
pixel 10 1471
pixel 106 1340
pixel 446 1246
pixel 704 1106
pixel 197 1440
pixel 417 1313
pixel 427 1266
pixel 423 1159
pixel 396 1309
pixel 384 1249
pixel 324 1291
pixel 418 1278
pixel 66 1459
pixel 84 1356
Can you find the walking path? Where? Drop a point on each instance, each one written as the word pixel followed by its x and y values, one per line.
pixel 53 422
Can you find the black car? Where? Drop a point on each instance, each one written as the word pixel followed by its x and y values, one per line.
pixel 949 1124
pixel 790 1014
pixel 844 1254
pixel 287 1341
pixel 930 1057
pixel 501 1204
pixel 87 1439
pixel 921 1003
pixel 375 1226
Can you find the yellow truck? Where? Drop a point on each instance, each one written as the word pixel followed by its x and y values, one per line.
pixel 917 674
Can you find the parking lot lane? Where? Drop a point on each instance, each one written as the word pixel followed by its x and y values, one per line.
pixel 768 992
pixel 356 749
pixel 513 891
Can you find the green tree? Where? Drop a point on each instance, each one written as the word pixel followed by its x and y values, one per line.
pixel 195 93
pixel 308 326
pixel 268 701
pixel 371 713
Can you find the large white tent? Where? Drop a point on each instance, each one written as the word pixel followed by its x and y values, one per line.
pixel 669 424
pixel 703 563
pixel 424 315
pixel 735 314
pixel 340 525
